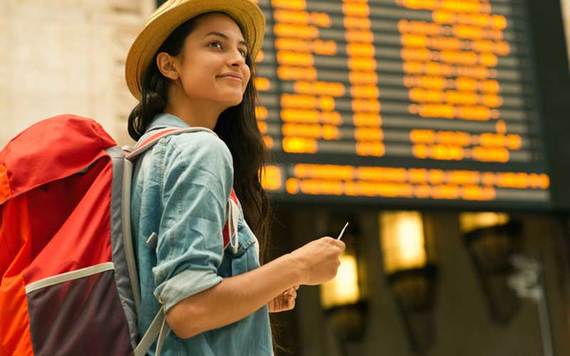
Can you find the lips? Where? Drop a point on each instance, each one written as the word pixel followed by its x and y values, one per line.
pixel 234 76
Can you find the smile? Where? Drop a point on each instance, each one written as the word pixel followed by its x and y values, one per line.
pixel 231 77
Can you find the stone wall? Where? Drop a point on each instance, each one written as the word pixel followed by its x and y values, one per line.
pixel 67 56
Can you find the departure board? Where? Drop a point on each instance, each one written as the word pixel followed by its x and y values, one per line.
pixel 409 101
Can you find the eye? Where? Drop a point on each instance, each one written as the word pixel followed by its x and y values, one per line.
pixel 243 52
pixel 215 44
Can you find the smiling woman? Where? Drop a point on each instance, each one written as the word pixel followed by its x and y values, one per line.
pixel 195 194
pixel 209 74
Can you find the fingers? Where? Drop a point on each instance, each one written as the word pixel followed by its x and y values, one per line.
pixel 335 242
pixel 284 302
pixel 290 304
pixel 289 301
pixel 290 293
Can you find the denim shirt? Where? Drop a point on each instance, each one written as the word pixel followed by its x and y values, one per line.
pixel 178 210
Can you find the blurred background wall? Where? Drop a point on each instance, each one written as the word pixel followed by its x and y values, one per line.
pixel 66 56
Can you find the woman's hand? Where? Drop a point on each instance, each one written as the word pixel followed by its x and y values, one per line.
pixel 318 261
pixel 284 301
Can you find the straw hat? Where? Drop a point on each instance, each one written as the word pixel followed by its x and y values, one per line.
pixel 173 13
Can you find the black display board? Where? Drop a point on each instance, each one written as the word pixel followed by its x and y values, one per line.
pixel 402 101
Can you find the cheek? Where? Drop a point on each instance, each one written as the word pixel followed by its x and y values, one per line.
pixel 247 76
pixel 195 78
pixel 190 84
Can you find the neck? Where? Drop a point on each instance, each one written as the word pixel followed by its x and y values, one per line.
pixel 197 113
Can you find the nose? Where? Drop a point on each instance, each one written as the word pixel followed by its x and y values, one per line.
pixel 236 58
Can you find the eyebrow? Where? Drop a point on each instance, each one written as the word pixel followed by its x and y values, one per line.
pixel 224 36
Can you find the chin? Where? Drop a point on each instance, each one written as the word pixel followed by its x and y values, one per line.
pixel 232 101
pixel 229 104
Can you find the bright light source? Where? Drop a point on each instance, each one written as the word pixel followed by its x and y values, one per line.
pixel 403 240
pixel 344 288
pixel 474 221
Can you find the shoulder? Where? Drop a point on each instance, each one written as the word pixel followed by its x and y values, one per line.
pixel 202 149
pixel 196 159
pixel 200 143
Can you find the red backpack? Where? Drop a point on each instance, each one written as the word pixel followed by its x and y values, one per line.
pixel 68 278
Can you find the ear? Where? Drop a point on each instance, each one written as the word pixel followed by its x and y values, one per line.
pixel 167 65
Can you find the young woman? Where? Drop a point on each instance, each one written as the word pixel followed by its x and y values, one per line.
pixel 192 66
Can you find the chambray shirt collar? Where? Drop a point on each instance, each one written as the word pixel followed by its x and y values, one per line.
pixel 167 120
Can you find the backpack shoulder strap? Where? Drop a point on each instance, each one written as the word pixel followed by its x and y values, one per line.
pixel 129 157
pixel 145 144
pixel 157 329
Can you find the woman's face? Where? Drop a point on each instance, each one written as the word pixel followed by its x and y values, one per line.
pixel 211 65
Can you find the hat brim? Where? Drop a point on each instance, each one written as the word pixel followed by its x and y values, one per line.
pixel 166 19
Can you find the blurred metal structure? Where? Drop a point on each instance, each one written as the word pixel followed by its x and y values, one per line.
pixel 409 264
pixel 528 282
pixel 565 4
pixel 491 240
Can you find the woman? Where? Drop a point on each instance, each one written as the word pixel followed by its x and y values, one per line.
pixel 192 67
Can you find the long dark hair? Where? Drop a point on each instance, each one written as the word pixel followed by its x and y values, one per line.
pixel 236 126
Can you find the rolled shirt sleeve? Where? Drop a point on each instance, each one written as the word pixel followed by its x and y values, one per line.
pixel 197 180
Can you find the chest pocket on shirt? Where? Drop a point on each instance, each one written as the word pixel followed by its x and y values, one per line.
pixel 246 257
